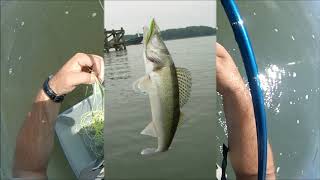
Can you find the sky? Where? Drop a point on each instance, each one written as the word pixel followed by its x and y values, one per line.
pixel 133 15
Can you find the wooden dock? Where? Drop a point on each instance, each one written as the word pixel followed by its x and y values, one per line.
pixel 114 39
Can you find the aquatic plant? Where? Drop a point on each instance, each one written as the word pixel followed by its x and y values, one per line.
pixel 92 122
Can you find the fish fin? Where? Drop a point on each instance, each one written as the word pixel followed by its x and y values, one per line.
pixel 185 83
pixel 181 119
pixel 149 130
pixel 149 151
pixel 143 84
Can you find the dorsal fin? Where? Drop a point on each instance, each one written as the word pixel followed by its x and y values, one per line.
pixel 185 83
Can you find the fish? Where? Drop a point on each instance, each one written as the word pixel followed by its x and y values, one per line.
pixel 168 88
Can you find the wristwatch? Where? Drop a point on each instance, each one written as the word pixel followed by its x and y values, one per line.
pixel 50 93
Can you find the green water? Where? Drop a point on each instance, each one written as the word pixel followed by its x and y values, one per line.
pixel 192 154
pixel 286 39
pixel 36 39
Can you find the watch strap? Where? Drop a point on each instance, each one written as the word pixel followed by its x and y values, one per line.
pixel 50 93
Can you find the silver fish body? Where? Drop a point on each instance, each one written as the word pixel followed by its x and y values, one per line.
pixel 164 102
pixel 161 82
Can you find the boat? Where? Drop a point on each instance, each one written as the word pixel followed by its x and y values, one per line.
pixel 135 40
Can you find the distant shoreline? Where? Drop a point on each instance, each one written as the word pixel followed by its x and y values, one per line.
pixel 190 37
pixel 182 33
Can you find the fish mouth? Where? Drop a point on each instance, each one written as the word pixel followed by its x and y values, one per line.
pixel 150 31
pixel 154 47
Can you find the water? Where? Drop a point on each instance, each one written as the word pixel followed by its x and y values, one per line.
pixel 285 37
pixel 36 40
pixel 192 154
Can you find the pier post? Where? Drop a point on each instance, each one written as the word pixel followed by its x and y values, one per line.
pixel 114 39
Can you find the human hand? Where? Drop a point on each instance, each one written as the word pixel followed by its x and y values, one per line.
pixel 228 76
pixel 80 69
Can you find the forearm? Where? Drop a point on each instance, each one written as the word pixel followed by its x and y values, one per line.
pixel 35 139
pixel 242 138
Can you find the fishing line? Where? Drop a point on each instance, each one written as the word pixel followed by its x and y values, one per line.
pixel 92 122
pixel 101 5
pixel 248 58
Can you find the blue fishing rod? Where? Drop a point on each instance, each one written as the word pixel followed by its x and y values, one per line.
pixel 249 61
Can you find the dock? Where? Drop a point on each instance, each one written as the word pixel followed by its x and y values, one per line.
pixel 114 39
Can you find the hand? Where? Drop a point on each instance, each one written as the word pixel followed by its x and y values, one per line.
pixel 80 69
pixel 228 76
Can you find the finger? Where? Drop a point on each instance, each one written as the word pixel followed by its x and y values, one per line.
pixel 98 66
pixel 83 78
pixel 101 75
pixel 83 60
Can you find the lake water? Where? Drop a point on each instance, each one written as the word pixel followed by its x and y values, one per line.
pixel 286 39
pixel 192 153
pixel 36 40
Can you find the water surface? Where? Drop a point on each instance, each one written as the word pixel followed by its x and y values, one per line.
pixel 36 40
pixel 285 37
pixel 192 153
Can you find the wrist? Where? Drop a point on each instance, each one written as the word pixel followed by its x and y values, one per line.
pixel 54 86
pixel 42 96
pixel 52 92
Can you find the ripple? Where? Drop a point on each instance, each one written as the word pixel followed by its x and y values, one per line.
pixel 291 63
pixel 270 81
pixel 294 74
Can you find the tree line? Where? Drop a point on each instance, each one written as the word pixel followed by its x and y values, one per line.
pixel 180 33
